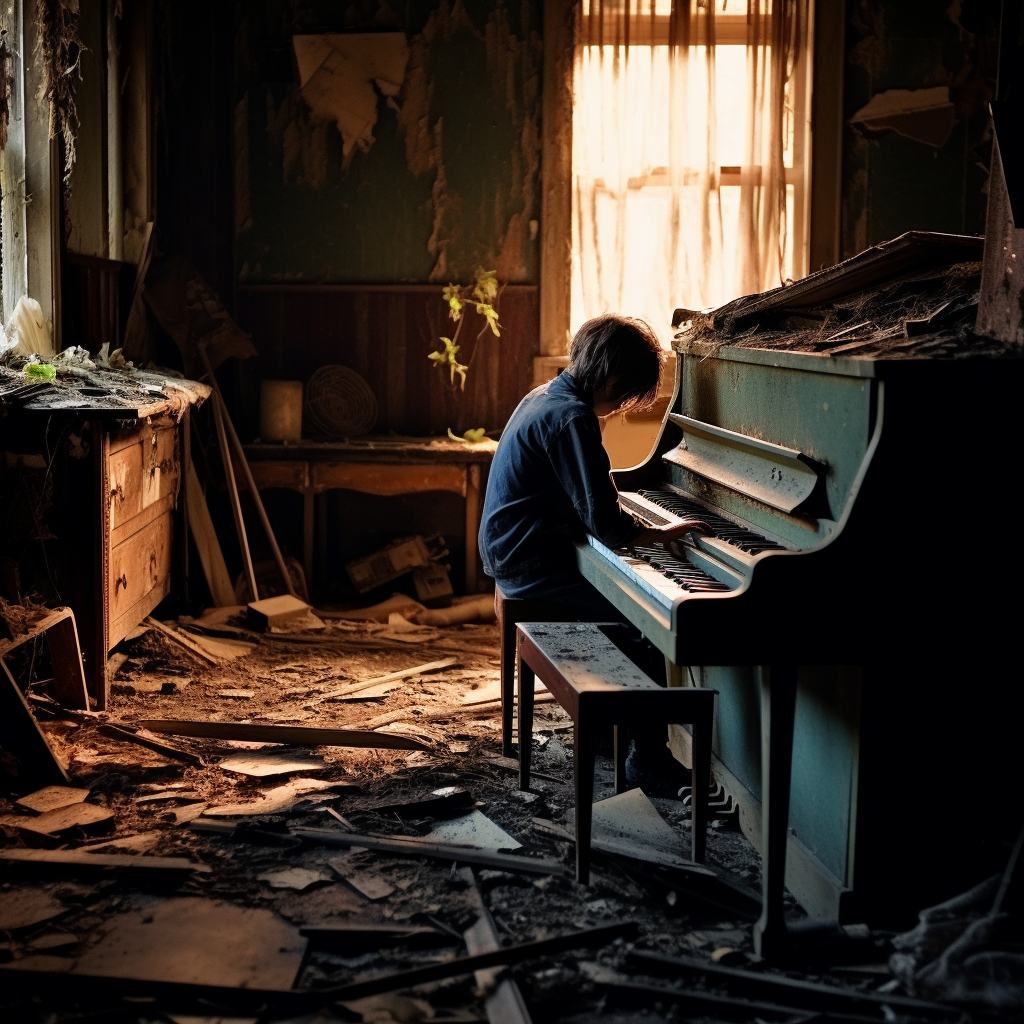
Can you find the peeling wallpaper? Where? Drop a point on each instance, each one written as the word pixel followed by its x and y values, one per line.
pixel 446 178
pixel 926 70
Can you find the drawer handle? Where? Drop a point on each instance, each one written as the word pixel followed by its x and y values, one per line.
pixel 121 581
pixel 117 492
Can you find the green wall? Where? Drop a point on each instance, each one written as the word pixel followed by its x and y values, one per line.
pixel 451 180
pixel 894 183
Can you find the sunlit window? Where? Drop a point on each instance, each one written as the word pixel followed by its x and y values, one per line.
pixel 678 153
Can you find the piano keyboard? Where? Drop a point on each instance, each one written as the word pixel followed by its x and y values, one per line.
pixel 679 507
pixel 680 571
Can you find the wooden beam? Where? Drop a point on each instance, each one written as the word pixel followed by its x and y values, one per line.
pixel 297 735
pixel 439 851
pixel 556 175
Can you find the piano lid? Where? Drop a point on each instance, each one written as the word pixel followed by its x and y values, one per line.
pixel 777 476
pixel 908 254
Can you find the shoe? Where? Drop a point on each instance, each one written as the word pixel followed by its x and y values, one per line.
pixel 656 772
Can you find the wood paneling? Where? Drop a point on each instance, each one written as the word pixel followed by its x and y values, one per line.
pixel 386 332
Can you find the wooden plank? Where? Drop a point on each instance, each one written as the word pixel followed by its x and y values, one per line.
pixel 503 1002
pixel 372 936
pixel 415 670
pixel 299 735
pixel 79 858
pixel 211 556
pixel 62 819
pixel 36 629
pixel 118 733
pixel 138 565
pixel 796 991
pixel 438 851
pixel 66 658
pixel 387 480
pixel 49 798
pixel 23 974
pixel 21 736
pixel 183 640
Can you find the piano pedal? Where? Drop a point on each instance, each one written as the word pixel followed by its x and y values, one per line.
pixel 721 805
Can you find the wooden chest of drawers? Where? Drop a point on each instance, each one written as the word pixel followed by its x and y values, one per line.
pixel 143 484
pixel 126 491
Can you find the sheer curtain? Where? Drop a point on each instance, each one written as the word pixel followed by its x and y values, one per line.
pixel 682 143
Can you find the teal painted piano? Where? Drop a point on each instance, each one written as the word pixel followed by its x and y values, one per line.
pixel 856 450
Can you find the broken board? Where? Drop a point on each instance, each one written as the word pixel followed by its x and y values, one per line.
pixel 197 941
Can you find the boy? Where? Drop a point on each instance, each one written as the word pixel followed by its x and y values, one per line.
pixel 549 485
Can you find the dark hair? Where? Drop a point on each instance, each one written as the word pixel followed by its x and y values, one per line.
pixel 619 352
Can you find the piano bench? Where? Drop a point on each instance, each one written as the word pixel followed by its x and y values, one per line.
pixel 598 686
pixel 510 611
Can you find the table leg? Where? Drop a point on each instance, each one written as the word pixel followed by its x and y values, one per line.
pixel 472 525
pixel 308 522
pixel 778 704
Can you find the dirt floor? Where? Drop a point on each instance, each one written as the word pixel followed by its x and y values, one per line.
pixel 198 803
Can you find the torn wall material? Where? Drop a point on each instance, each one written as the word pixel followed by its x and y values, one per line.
pixel 339 76
pixel 419 183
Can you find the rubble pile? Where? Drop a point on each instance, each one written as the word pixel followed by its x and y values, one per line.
pixel 186 875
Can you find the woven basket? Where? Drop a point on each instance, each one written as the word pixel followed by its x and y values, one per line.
pixel 339 403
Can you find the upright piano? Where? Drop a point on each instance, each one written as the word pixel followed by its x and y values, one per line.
pixel 855 448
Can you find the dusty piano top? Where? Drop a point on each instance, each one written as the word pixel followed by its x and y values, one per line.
pixel 910 299
pixel 124 394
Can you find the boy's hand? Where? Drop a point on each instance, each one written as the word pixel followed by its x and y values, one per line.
pixel 668 534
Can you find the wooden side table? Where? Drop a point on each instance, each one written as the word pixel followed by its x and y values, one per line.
pixel 382 466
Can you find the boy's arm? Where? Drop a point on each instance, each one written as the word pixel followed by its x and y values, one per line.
pixel 583 468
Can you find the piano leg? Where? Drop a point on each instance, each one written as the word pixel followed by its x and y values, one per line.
pixel 700 779
pixel 778 704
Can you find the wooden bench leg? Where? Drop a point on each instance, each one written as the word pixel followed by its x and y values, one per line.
pixel 701 722
pixel 526 683
pixel 621 748
pixel 509 659
pixel 584 753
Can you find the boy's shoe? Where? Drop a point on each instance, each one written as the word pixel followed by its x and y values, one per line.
pixel 656 772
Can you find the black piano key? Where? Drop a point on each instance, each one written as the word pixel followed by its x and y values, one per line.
pixel 722 529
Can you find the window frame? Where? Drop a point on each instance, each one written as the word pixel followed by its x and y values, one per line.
pixel 816 219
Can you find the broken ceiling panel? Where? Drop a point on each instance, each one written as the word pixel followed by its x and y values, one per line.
pixel 926 115
pixel 338 75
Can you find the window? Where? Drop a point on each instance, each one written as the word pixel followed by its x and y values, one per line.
pixel 691 146
pixel 13 265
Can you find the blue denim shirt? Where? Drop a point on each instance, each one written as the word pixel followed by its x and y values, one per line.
pixel 549 484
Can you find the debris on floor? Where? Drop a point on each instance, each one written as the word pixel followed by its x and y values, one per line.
pixel 318 825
